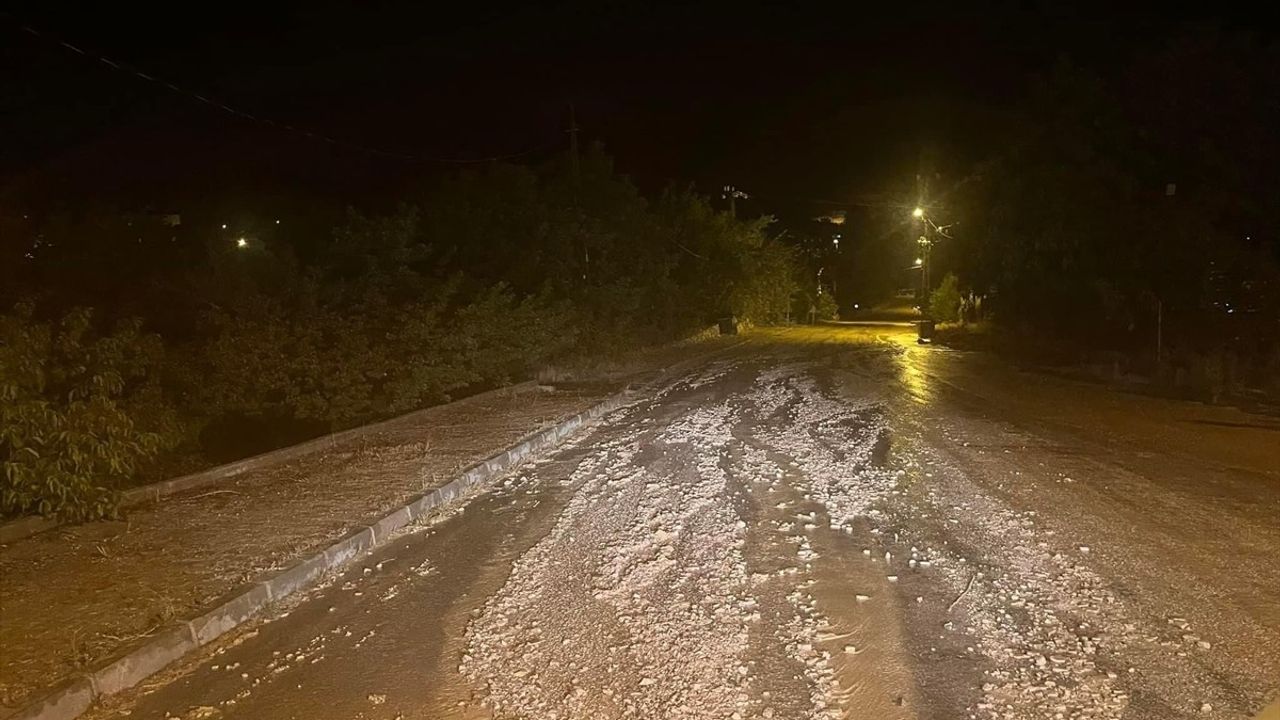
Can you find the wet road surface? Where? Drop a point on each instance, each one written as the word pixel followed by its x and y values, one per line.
pixel 829 523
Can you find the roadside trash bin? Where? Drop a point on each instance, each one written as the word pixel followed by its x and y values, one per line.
pixel 924 331
pixel 728 326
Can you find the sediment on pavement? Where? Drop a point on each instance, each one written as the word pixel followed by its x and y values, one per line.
pixel 76 597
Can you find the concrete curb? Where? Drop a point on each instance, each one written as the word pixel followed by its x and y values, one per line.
pixel 77 695
pixel 155 492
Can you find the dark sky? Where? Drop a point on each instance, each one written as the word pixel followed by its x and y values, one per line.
pixel 786 100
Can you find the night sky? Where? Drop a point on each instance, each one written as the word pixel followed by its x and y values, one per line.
pixel 791 103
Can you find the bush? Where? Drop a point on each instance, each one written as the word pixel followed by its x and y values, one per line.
pixel 826 307
pixel 494 274
pixel 763 294
pixel 498 338
pixel 69 408
pixel 944 303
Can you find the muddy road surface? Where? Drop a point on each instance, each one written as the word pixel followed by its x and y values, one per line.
pixel 828 523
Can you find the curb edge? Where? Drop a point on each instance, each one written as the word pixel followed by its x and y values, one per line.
pixel 76 696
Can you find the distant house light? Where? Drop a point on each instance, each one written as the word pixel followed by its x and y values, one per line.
pixel 242 243
pixel 224 226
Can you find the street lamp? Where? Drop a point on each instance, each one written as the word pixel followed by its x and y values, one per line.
pixel 931 231
pixel 242 243
pixel 918 214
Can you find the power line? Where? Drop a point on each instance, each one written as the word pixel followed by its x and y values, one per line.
pixel 305 132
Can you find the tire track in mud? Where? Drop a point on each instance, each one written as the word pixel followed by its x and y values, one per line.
pixel 1017 622
pixel 636 604
pixel 689 575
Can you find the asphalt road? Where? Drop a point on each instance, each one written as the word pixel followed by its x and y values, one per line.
pixel 828 523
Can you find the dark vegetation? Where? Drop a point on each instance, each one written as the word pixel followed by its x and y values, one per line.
pixel 1127 221
pixel 128 347
pixel 1135 208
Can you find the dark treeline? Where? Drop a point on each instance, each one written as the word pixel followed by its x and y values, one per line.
pixel 1137 206
pixel 127 343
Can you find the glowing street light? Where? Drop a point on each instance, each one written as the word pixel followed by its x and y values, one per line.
pixel 242 243
pixel 917 213
pixel 919 262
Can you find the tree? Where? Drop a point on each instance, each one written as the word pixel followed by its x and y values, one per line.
pixel 944 302
pixel 1129 190
pixel 488 276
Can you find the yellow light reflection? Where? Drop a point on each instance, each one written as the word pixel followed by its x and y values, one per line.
pixel 914 373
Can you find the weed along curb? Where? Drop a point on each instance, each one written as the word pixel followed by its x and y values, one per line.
pixel 155 492
pixel 76 696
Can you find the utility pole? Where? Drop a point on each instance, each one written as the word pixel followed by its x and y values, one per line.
pixel 573 146
pixel 924 265
pixel 926 241
pixel 1159 333
pixel 922 193
pixel 732 194
pixel 577 181
pixel 928 251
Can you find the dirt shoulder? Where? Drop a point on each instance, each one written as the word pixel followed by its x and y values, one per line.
pixel 1114 370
